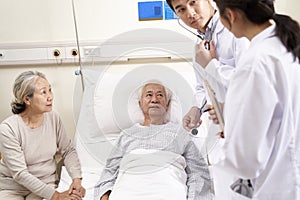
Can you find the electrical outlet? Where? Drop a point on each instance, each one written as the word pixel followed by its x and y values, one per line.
pixel 56 53
pixel 72 52
pixel 2 55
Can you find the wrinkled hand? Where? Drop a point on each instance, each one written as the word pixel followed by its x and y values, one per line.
pixel 203 55
pixel 65 196
pixel 76 188
pixel 192 119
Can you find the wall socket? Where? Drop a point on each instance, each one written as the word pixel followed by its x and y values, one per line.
pixel 55 53
pixel 72 52
pixel 2 54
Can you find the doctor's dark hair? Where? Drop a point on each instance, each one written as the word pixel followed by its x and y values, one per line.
pixel 24 87
pixel 170 4
pixel 259 12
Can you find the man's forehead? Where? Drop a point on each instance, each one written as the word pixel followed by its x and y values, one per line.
pixel 154 88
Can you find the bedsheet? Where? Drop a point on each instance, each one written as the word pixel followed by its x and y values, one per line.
pixel 91 166
pixel 151 174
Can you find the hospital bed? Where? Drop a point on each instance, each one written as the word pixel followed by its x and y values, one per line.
pixel 110 104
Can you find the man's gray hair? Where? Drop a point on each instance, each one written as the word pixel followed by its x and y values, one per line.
pixel 154 81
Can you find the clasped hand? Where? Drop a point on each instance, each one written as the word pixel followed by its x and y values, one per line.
pixel 75 192
pixel 203 55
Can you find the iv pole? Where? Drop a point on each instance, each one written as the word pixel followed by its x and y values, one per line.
pixel 77 72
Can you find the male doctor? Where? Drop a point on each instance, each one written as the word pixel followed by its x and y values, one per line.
pixel 216 53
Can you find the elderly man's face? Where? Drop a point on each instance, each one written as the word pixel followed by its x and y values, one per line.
pixel 154 100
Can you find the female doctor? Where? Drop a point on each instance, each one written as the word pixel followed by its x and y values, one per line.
pixel 262 110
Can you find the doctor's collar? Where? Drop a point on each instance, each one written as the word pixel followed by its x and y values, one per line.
pixel 210 24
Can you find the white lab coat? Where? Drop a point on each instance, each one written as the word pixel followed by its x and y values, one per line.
pixel 218 73
pixel 262 120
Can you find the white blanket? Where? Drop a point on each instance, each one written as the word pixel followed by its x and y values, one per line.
pixel 151 174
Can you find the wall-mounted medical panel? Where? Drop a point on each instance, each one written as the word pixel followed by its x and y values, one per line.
pixel 155 10
pixel 150 10
pixel 159 44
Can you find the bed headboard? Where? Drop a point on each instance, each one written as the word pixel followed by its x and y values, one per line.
pixel 110 100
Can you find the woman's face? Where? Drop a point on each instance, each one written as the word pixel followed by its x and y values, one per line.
pixel 42 97
pixel 194 13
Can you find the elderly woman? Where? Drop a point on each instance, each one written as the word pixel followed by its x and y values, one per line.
pixel 29 141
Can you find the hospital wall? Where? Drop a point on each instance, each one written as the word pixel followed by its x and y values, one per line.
pixel 33 23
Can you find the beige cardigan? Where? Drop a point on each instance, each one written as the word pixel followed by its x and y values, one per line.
pixel 28 155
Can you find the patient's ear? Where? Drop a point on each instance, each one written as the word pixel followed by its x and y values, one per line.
pixel 168 105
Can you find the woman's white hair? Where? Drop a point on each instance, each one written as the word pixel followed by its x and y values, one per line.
pixel 24 87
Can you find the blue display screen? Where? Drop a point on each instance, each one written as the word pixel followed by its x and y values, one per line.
pixel 150 10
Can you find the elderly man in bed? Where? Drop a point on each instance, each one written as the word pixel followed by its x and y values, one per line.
pixel 156 159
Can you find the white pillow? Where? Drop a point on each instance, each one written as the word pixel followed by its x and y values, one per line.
pixel 110 99
pixel 174 112
pixel 87 127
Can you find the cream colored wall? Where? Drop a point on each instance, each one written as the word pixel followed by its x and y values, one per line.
pixel 290 7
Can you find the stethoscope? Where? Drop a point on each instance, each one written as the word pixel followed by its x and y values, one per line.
pixel 196 34
pixel 201 36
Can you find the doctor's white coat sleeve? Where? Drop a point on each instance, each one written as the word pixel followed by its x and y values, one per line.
pixel 220 70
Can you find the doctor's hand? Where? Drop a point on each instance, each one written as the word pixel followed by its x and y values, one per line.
pixel 192 119
pixel 213 116
pixel 203 55
pixel 212 112
pixel 76 188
